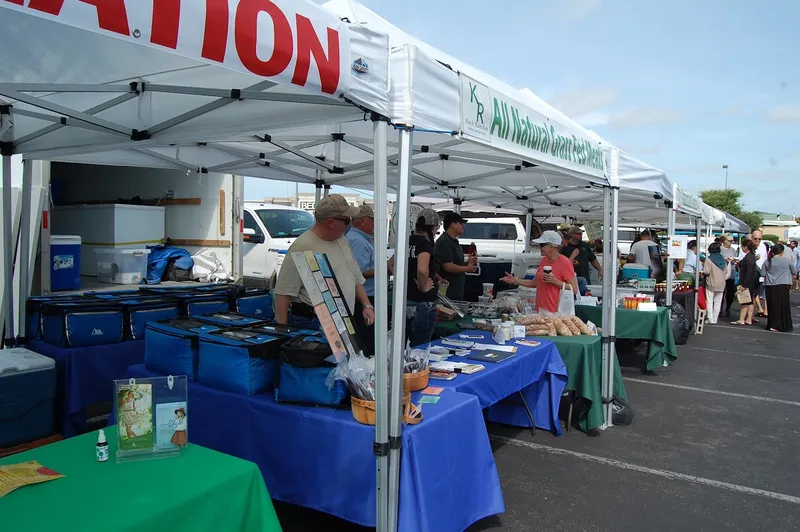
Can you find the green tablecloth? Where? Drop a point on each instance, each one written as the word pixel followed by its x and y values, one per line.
pixel 584 360
pixel 203 490
pixel 639 325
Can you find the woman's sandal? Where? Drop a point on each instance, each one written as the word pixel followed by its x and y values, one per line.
pixel 738 323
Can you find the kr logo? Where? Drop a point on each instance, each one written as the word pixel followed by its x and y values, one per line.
pixel 473 97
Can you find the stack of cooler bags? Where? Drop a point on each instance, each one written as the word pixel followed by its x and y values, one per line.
pixel 103 318
pixel 244 355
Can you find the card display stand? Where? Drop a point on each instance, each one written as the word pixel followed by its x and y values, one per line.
pixel 152 417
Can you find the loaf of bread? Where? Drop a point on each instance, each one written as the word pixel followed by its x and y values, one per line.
pixel 582 327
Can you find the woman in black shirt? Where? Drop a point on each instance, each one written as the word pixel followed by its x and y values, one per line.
pixel 423 280
pixel 748 280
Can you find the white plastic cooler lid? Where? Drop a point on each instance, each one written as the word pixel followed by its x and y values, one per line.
pixel 20 360
pixel 65 240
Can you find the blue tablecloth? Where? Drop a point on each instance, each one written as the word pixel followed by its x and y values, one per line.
pixel 84 378
pixel 537 372
pixel 321 458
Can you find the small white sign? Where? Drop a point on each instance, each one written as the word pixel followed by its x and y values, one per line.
pixel 677 246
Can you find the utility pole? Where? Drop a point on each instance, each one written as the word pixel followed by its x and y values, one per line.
pixel 725 166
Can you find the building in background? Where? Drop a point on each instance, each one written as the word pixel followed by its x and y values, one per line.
pixel 778 224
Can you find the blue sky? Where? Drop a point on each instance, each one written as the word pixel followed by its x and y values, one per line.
pixel 685 86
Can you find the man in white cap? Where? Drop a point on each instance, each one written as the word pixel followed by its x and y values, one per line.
pixel 555 272
pixel 333 215
pixel 360 238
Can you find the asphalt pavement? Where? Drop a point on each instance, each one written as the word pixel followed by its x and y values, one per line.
pixel 714 446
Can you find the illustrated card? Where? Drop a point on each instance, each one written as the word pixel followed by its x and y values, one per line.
pixel 329 302
pixel 323 286
pixel 341 306
pixel 332 287
pixel 135 417
pixel 324 267
pixel 311 261
pixel 171 425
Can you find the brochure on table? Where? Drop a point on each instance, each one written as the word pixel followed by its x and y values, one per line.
pixel 152 417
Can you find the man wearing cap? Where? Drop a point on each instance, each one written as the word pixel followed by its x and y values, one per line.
pixel 582 256
pixel 554 273
pixel 332 217
pixel 360 238
pixel 448 252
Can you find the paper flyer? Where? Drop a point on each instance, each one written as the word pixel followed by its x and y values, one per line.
pixel 322 260
pixel 332 287
pixel 311 261
pixel 328 298
pixel 135 417
pixel 15 476
pixel 323 286
pixel 171 424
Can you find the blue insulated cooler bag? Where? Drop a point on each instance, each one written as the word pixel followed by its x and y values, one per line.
pixel 117 294
pixel 170 346
pixel 193 304
pixel 238 360
pixel 305 371
pixel 256 303
pixel 82 323
pixel 138 312
pixel 230 319
pixel 284 330
pixel 33 306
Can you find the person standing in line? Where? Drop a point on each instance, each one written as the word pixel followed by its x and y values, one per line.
pixel 292 303
pixel 796 254
pixel 453 266
pixel 779 269
pixel 761 252
pixel 688 266
pixel 748 281
pixel 360 238
pixel 715 269
pixel 730 254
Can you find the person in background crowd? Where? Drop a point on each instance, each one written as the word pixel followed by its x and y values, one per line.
pixel 582 256
pixel 423 281
pixel 688 266
pixel 715 269
pixel 730 254
pixel 761 253
pixel 452 265
pixel 645 252
pixel 548 285
pixel 779 269
pixel 332 216
pixel 748 280
pixel 360 239
pixel 796 253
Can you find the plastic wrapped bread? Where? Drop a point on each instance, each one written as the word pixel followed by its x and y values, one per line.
pixel 582 327
pixel 571 325
pixel 531 319
pixel 540 330
pixel 561 327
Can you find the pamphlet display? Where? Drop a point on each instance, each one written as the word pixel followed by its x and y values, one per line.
pixel 329 305
pixel 678 244
pixel 152 417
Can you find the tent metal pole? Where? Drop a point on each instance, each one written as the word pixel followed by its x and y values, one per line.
pixel 24 246
pixel 698 229
pixel 612 281
pixel 381 329
pixel 326 191
pixel 8 254
pixel 528 224
pixel 457 204
pixel 318 183
pixel 403 206
pixel 609 261
pixel 670 260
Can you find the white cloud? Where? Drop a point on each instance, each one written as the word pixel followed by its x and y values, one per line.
pixel 581 102
pixel 644 116
pixel 577 9
pixel 593 119
pixel 784 113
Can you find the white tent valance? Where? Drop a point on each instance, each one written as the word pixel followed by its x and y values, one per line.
pixel 91 77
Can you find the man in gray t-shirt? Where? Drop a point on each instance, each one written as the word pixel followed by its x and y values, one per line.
pixel 645 252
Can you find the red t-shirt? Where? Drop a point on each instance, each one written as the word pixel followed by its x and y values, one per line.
pixel 547 294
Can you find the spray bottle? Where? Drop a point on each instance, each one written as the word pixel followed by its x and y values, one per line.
pixel 101 450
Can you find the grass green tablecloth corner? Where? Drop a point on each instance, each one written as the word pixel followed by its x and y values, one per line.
pixel 202 490
pixel 639 325
pixel 584 360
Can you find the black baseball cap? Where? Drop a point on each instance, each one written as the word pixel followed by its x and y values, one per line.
pixel 451 218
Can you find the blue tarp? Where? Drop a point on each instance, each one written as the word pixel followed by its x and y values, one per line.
pixel 159 259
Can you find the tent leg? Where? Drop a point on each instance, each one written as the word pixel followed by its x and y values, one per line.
pixel 8 254
pixel 381 448
pixel 402 205
pixel 670 260
pixel 25 246
pixel 528 225
pixel 612 283
pixel 609 262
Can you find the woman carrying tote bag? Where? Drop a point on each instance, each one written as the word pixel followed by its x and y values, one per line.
pixel 715 271
pixel 778 274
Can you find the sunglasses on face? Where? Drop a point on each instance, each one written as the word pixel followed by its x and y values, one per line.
pixel 343 220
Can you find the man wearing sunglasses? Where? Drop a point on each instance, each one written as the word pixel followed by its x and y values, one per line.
pixel 762 251
pixel 332 218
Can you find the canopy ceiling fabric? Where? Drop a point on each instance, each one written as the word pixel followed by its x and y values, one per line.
pixel 93 77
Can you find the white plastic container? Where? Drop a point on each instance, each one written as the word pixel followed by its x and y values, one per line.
pixel 121 266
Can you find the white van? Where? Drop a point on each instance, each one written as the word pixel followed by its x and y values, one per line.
pixel 495 235
pixel 269 230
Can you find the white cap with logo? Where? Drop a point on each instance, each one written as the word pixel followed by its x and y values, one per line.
pixel 549 237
